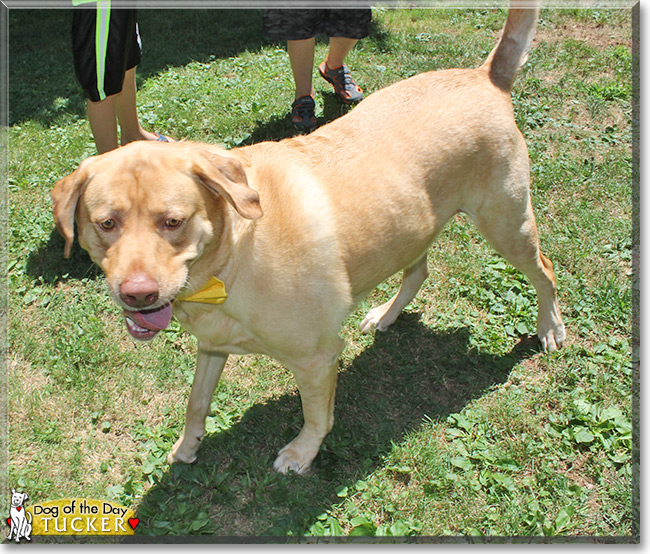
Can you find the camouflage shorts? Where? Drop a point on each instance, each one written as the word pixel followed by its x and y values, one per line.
pixel 303 24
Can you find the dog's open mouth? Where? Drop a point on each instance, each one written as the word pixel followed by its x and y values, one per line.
pixel 146 324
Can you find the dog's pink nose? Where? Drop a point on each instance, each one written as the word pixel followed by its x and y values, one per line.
pixel 139 290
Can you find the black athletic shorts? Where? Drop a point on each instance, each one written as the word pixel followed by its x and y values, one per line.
pixel 105 44
pixel 304 24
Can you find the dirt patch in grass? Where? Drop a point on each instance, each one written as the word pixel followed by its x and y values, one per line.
pixel 577 474
pixel 596 34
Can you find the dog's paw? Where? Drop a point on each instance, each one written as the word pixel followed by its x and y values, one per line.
pixel 552 338
pixel 290 460
pixel 182 453
pixel 379 318
pixel 174 458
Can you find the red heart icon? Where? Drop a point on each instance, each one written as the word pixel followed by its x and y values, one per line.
pixel 19 508
pixel 133 522
pixel 9 521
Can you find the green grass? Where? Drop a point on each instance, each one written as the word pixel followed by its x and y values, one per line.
pixel 450 424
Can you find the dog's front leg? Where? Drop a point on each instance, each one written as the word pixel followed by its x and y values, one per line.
pixel 208 370
pixel 317 386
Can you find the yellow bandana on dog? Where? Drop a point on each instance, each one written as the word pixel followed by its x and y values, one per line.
pixel 213 292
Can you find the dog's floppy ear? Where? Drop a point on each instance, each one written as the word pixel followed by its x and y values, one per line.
pixel 226 176
pixel 65 196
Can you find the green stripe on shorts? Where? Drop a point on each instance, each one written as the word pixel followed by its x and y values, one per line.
pixel 101 43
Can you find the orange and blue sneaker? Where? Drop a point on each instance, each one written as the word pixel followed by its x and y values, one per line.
pixel 303 113
pixel 344 85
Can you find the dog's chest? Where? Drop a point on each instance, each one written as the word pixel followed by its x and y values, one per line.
pixel 216 330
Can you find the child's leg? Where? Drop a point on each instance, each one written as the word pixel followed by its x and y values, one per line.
pixel 340 47
pixel 101 116
pixel 125 108
pixel 301 55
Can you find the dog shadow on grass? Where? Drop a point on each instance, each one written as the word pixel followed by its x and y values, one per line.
pixel 48 264
pixel 410 374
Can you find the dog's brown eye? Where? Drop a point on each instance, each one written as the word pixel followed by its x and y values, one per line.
pixel 107 224
pixel 173 223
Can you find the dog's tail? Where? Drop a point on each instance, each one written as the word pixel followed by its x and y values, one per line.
pixel 511 51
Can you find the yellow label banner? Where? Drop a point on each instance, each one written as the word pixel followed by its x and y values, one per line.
pixel 81 516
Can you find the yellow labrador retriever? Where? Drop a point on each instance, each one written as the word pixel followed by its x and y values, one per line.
pixel 285 239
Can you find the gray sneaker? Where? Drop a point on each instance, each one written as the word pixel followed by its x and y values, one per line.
pixel 344 85
pixel 303 114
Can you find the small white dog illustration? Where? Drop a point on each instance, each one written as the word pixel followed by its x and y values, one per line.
pixel 21 521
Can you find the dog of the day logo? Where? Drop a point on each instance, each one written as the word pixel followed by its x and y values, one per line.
pixel 69 516
pixel 19 520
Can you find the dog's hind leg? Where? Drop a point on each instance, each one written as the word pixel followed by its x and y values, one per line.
pixel 208 370
pixel 507 222
pixel 385 315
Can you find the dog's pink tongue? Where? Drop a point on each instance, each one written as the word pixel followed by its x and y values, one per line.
pixel 155 320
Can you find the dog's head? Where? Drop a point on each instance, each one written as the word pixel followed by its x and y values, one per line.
pixel 145 212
